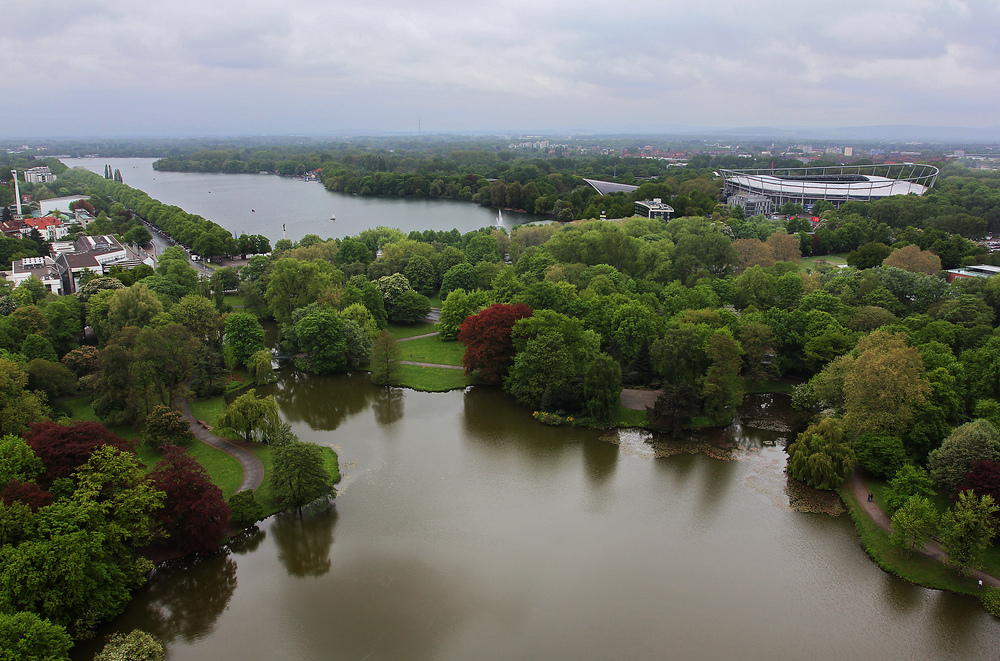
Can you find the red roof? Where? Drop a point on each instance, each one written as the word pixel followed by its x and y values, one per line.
pixel 42 223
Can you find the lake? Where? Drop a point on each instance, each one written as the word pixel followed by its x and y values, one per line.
pixel 261 204
pixel 466 530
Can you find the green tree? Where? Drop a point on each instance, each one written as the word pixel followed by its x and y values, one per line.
pixel 293 284
pixel 914 523
pixel 722 388
pixel 385 359
pixel 244 335
pixel 880 454
pixel 320 334
pixel 18 406
pixel 884 385
pixel 27 637
pixel 909 481
pixel 250 416
pixel 421 275
pixel 260 368
pixel 967 529
pixel 820 456
pixel 409 308
pixel 972 442
pixel 17 460
pixel 134 306
pixel 244 509
pixel 299 476
pixel 36 346
pixel 602 387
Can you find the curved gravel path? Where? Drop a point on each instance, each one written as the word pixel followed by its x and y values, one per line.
pixel 253 470
pixel 931 549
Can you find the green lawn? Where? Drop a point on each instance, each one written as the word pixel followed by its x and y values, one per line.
pixel 208 409
pixel 433 379
pixel 767 386
pixel 624 417
pixel 432 350
pixel 399 331
pixel 236 300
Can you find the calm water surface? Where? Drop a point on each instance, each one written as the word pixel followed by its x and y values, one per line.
pixel 465 530
pixel 260 204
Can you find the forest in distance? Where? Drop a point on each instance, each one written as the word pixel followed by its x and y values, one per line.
pixel 898 370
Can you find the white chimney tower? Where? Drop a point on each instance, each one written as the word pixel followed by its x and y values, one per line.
pixel 17 193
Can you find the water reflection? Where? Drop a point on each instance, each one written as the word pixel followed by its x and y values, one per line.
pixel 600 459
pixel 322 402
pixel 902 596
pixel 248 541
pixel 389 607
pixel 185 603
pixel 955 618
pixel 304 541
pixel 388 406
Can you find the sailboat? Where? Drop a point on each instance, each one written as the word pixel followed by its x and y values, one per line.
pixel 333 216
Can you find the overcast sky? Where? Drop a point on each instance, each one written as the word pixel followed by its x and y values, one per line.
pixel 325 67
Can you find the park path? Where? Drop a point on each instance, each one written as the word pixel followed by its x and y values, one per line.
pixel 931 549
pixel 639 400
pixel 417 337
pixel 253 470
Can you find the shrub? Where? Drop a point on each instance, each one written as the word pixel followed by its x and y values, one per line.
pixel 991 601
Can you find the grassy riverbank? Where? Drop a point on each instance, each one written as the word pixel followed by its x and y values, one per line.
pixel 915 567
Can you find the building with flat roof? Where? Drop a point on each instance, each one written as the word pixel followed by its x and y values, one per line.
pixel 752 205
pixel 43 268
pixel 654 208
pixel 978 271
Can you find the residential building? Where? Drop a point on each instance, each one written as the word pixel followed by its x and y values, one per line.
pixel 39 175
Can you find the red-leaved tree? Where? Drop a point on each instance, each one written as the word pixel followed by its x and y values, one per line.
pixel 28 493
pixel 195 515
pixel 486 337
pixel 63 449
pixel 983 478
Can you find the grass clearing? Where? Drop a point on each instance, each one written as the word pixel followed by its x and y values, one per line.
pixel 433 379
pixel 432 350
pixel 400 331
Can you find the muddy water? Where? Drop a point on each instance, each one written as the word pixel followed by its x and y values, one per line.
pixel 465 530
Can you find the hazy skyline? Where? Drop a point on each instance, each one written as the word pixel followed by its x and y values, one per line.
pixel 125 68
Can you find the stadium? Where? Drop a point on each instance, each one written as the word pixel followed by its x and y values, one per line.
pixel 765 191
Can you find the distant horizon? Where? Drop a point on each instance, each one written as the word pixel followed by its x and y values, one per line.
pixel 865 133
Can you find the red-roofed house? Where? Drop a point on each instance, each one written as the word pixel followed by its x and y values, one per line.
pixel 50 228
